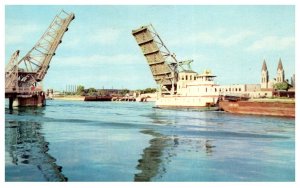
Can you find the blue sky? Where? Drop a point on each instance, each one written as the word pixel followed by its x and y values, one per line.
pixel 99 50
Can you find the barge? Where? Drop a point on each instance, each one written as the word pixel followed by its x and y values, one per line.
pixel 268 107
pixel 97 98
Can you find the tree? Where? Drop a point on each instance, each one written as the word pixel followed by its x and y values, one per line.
pixel 92 90
pixel 124 91
pixel 149 90
pixel 80 90
pixel 281 86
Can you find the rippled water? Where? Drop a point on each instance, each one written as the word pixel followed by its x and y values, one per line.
pixel 129 141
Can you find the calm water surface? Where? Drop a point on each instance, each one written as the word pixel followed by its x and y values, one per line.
pixel 107 141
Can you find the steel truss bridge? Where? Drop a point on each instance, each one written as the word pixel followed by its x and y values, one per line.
pixel 22 76
pixel 163 64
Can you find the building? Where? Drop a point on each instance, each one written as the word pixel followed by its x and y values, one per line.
pixel 293 83
pixel 264 89
pixel 280 72
pixel 266 83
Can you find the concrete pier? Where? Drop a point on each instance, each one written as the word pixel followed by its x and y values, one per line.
pixel 34 99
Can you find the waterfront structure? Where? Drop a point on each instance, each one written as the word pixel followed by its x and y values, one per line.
pixel 23 77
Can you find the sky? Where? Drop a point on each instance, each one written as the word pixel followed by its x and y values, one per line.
pixel 99 50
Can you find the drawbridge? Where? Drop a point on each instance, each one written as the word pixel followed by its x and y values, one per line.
pixel 22 76
pixel 163 64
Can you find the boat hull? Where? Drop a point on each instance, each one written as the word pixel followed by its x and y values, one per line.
pixel 186 102
pixel 282 109
pixel 97 98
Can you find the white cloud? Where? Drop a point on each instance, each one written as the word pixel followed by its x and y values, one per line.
pixel 95 60
pixel 274 43
pixel 71 43
pixel 17 33
pixel 235 38
pixel 105 36
pixel 220 38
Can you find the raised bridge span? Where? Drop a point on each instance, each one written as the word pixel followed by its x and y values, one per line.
pixel 22 76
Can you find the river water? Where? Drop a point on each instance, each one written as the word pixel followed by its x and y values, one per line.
pixel 130 141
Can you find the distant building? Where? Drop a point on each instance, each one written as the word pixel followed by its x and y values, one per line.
pixel 280 72
pixel 266 83
pixel 293 81
pixel 264 89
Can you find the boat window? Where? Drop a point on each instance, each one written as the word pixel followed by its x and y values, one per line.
pixel 191 77
pixel 205 89
pixel 240 89
pixel 186 77
pixel 215 89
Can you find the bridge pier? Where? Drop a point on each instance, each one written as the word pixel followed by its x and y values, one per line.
pixel 37 99
pixel 34 99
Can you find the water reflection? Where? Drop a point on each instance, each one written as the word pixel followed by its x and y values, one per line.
pixel 26 145
pixel 162 148
pixel 155 156
pixel 209 147
pixel 157 117
pixel 22 111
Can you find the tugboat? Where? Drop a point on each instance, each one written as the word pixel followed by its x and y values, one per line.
pixel 193 91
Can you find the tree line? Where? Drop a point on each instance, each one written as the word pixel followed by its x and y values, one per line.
pixel 81 90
